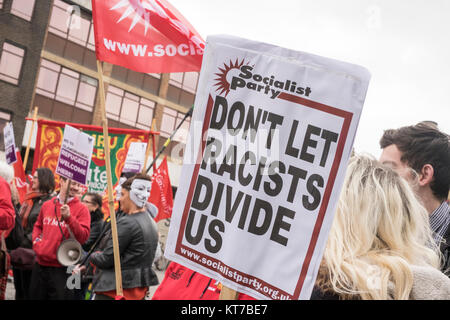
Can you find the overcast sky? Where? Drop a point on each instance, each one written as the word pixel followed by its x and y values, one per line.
pixel 405 44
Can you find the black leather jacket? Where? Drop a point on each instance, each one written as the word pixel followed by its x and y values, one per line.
pixel 34 213
pixel 96 229
pixel 138 238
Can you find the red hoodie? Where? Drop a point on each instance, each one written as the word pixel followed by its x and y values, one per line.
pixel 47 235
pixel 7 214
pixel 181 283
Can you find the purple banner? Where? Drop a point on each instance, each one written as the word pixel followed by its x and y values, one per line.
pixel 10 154
pixel 132 167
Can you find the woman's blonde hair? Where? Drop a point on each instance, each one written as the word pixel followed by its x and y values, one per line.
pixel 379 230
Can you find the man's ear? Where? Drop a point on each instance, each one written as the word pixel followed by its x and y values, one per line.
pixel 426 175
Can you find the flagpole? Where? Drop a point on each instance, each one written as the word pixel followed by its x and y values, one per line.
pixel 147 151
pixel 25 160
pixel 112 214
pixel 188 114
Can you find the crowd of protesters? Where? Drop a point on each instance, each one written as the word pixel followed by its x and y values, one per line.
pixel 35 229
pixel 390 238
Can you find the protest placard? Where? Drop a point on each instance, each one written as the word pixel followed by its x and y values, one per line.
pixel 270 137
pixel 135 157
pixel 10 144
pixel 49 140
pixel 75 155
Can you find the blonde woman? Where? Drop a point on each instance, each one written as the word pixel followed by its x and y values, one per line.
pixel 380 245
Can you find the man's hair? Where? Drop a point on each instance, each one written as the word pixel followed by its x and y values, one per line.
pixel 46 180
pixel 423 144
pixel 127 184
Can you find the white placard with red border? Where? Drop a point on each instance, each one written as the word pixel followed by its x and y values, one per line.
pixel 270 138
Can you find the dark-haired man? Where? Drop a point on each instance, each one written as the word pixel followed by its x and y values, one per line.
pixel 421 154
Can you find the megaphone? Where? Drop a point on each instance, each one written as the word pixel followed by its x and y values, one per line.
pixel 69 252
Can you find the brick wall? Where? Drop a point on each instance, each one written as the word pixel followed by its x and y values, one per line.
pixel 28 35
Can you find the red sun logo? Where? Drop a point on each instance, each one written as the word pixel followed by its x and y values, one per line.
pixel 222 83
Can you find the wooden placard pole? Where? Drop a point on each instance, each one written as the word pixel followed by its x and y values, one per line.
pixel 66 195
pixel 228 294
pixel 27 152
pixel 112 214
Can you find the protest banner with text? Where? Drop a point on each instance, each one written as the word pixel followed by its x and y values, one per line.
pixel 135 159
pixel 145 36
pixel 48 145
pixel 270 137
pixel 10 144
pixel 75 155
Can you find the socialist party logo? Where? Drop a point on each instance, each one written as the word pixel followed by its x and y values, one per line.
pixel 237 75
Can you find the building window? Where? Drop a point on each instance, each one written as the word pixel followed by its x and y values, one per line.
pixel 170 121
pixel 23 9
pixel 67 86
pixel 11 63
pixel 68 23
pixel 149 82
pixel 5 117
pixel 186 81
pixel 182 88
pixel 128 108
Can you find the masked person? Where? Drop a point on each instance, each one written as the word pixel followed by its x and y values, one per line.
pixel 56 217
pixel 138 238
pixel 85 269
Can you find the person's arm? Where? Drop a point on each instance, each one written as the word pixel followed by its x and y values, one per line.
pixel 126 231
pixel 96 230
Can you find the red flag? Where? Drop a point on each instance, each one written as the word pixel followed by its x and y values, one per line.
pixel 147 36
pixel 161 194
pixel 19 177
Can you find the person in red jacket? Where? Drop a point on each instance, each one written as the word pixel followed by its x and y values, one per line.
pixel 49 277
pixel 182 283
pixel 7 213
pixel 7 221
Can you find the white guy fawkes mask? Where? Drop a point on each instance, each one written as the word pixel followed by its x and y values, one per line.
pixel 140 191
